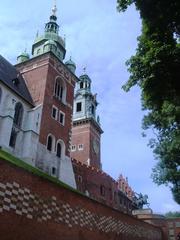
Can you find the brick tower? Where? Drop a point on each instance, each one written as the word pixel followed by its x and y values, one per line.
pixel 86 131
pixel 51 84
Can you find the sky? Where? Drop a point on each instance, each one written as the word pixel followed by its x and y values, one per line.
pixel 100 38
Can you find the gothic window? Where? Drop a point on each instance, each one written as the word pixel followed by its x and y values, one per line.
pixel 62 118
pixel 18 115
pixel 49 143
pixel 59 150
pixel 81 84
pixel 0 94
pixel 53 171
pixel 12 141
pixel 78 107
pixel 60 90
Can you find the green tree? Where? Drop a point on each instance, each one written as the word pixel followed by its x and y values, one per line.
pixel 155 68
pixel 172 214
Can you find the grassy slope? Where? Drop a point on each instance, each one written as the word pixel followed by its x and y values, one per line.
pixel 19 163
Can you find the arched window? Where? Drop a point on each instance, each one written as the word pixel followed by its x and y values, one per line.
pixel 18 115
pixel 49 143
pixel 12 141
pixel 0 94
pixel 59 150
pixel 60 90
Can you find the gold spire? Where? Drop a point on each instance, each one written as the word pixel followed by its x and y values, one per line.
pixel 84 69
pixel 54 9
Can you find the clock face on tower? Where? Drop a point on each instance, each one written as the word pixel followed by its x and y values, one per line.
pixel 96 146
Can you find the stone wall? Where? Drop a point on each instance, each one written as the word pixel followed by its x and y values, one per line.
pixel 32 207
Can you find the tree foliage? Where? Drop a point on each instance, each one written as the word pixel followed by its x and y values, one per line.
pixel 155 68
pixel 172 214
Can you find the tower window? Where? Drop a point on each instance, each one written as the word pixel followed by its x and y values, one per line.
pixel 73 148
pixel 81 84
pixel 54 112
pixel 92 109
pixel 49 143
pixel 59 150
pixel 60 90
pixel 80 147
pixel 78 107
pixel 62 118
pixel 18 115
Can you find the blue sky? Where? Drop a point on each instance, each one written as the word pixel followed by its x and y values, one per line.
pixel 99 37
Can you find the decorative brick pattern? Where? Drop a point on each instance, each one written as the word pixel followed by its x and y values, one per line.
pixel 23 202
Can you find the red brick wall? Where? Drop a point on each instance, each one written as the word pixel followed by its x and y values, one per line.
pixel 84 133
pixel 173 227
pixel 34 208
pixel 40 74
pixel 81 135
pixel 92 180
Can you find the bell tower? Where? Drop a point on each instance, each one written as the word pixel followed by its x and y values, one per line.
pixel 86 130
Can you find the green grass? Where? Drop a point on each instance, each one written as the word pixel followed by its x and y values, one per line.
pixel 19 163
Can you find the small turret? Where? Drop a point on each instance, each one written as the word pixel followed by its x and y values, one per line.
pixel 24 56
pixel 71 65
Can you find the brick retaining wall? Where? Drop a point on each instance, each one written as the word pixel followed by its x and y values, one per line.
pixel 31 207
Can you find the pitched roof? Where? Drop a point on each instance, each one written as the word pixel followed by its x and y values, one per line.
pixel 14 80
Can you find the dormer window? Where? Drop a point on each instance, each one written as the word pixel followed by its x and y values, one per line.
pixel 15 81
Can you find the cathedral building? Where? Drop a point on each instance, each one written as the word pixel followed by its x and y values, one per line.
pixel 36 105
pixel 48 118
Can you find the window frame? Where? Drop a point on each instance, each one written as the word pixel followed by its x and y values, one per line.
pixel 57 155
pixel 57 110
pixel 80 147
pixel 61 114
pixel 73 149
pixel 60 89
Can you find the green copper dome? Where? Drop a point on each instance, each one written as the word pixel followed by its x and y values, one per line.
pixel 24 56
pixel 71 65
pixel 50 37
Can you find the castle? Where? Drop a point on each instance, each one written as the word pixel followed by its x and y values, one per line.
pixel 48 118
